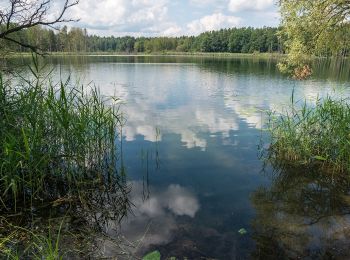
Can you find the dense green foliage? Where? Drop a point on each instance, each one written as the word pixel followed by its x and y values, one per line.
pixel 54 140
pixel 313 28
pixel 313 135
pixel 235 40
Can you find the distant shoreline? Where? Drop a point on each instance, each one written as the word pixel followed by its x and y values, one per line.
pixel 223 55
pixel 155 54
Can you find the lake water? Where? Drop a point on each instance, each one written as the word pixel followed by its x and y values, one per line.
pixel 191 151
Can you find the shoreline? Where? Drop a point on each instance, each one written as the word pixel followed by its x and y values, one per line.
pixel 215 55
pixel 162 54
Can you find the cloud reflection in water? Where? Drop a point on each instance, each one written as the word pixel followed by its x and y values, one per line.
pixel 156 217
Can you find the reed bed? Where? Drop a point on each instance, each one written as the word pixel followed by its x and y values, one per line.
pixel 313 135
pixel 55 141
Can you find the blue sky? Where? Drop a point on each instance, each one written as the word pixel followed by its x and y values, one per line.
pixel 171 18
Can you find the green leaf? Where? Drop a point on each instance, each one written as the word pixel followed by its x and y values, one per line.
pixel 155 255
pixel 320 158
pixel 242 231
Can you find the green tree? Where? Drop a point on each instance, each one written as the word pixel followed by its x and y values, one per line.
pixel 236 40
pixel 313 28
pixel 139 45
pixel 62 39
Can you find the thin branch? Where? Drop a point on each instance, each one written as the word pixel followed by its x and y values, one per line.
pixel 31 47
pixel 25 14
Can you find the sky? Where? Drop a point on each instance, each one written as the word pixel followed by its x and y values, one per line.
pixel 170 17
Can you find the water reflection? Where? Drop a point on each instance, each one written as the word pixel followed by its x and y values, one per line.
pixel 155 216
pixel 304 213
pixel 197 104
pixel 193 97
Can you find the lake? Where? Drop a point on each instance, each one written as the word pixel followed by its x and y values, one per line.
pixel 191 146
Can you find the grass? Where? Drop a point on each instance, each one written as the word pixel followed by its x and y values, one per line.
pixel 55 140
pixel 313 135
pixel 23 243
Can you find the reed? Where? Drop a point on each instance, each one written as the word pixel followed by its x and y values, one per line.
pixel 55 140
pixel 316 135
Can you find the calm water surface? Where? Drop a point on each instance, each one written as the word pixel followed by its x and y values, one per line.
pixel 191 151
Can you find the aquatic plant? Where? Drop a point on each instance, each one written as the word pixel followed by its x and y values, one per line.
pixel 312 135
pixel 56 140
pixel 155 255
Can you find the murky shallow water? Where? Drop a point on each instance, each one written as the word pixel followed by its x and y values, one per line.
pixel 190 148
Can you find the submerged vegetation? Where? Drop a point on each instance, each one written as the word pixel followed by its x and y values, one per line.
pixel 313 135
pixel 299 201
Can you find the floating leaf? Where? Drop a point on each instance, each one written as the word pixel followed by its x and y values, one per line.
pixel 155 255
pixel 242 231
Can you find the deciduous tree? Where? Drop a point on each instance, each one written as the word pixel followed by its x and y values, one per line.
pixel 317 27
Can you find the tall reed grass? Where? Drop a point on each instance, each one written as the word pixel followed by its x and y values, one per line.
pixel 55 140
pixel 313 135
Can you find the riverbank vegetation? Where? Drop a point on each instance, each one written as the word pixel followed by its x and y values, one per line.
pixel 313 135
pixel 55 139
pixel 58 152
pixel 59 158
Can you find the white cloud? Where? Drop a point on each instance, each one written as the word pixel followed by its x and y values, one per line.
pixel 174 30
pixel 204 3
pixel 212 22
pixel 166 18
pixel 249 5
pixel 122 15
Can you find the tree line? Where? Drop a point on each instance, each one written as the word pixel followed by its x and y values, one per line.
pixel 235 40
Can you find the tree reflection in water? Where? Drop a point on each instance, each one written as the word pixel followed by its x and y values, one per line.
pixel 304 213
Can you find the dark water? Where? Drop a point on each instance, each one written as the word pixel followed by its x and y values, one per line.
pixel 191 151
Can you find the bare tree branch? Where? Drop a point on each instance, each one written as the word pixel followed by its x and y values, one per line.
pixel 25 14
pixel 33 48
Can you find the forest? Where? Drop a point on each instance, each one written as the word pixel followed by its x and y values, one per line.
pixel 235 40
pixel 230 40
